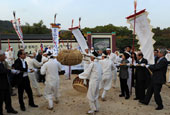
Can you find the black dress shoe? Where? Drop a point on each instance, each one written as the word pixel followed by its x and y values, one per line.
pixel 33 105
pixel 143 102
pixel 136 99
pixel 12 111
pixel 159 108
pixel 121 95
pixel 23 108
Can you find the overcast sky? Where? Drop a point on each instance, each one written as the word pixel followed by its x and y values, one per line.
pixel 92 12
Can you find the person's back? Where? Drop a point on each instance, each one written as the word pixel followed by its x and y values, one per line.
pixel 52 70
pixel 107 66
pixel 96 72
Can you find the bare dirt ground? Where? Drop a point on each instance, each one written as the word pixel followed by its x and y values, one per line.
pixel 75 103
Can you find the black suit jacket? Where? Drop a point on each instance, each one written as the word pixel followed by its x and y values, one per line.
pixel 142 72
pixel 18 66
pixel 4 83
pixel 159 71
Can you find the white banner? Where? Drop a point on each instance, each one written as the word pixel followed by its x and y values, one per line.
pixel 55 36
pixel 144 35
pixel 80 38
pixel 17 27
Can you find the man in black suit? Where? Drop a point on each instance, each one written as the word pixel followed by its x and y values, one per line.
pixel 23 80
pixel 156 55
pixel 142 77
pixel 4 87
pixel 158 79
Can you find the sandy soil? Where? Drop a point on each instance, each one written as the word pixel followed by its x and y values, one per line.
pixel 75 103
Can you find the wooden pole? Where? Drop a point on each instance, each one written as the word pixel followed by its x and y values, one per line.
pixel 79 21
pixel 133 46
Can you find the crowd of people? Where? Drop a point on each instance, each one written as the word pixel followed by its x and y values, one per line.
pixel 100 67
pixel 134 71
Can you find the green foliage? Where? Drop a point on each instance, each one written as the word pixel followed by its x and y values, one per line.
pixel 120 31
pixel 123 34
pixel 36 28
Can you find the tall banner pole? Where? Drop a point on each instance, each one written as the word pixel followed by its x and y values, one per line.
pixel 17 27
pixel 133 47
pixel 55 34
pixel 72 23
pixel 9 47
pixel 79 22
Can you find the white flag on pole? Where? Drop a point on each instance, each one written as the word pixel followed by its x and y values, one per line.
pixel 55 35
pixel 17 27
pixel 144 33
pixel 80 38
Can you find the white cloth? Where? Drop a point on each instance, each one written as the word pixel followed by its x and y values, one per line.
pixel 129 80
pixel 49 50
pixel 32 64
pixel 94 74
pixel 55 35
pixel 80 39
pixel 10 58
pixel 144 33
pixel 7 54
pixel 51 70
pixel 168 69
pixel 107 67
pixel 113 57
pixel 118 59
pixel 44 59
pixel 86 61
pixel 103 94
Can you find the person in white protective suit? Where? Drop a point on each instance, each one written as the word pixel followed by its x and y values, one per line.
pixel 107 67
pixel 33 64
pixel 86 59
pixel 94 74
pixel 112 57
pixel 167 56
pixel 51 70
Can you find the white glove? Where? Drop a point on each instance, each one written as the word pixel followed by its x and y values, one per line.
pixel 35 70
pixel 13 71
pixel 17 72
pixel 142 65
pixel 147 66
pixel 134 64
pixel 128 64
pixel 118 64
pixel 85 82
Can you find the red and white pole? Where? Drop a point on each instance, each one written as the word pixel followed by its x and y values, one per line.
pixel 133 47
